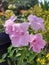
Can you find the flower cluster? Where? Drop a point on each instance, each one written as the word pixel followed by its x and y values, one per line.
pixel 19 34
pixel 47 56
pixel 41 61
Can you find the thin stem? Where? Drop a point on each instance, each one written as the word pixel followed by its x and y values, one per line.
pixel 14 63
pixel 8 61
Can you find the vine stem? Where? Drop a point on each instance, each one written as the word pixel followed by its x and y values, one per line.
pixel 14 63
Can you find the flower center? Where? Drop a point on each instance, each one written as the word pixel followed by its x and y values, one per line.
pixel 22 33
pixel 34 41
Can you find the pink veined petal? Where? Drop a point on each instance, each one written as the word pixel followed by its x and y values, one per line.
pixel 19 41
pixel 31 18
pixel 16 28
pixel 39 36
pixel 34 18
pixel 25 26
pixel 40 20
pixel 36 49
pixel 25 39
pixel 15 41
pixel 35 26
pixel 13 18
pixel 41 42
pixel 8 30
pixel 31 37
pixel 8 22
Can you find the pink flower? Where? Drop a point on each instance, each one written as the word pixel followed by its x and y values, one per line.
pixel 20 36
pixel 36 22
pixel 9 25
pixel 37 42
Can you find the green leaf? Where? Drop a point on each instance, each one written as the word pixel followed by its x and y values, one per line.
pixel 11 54
pixel 4 56
pixel 1 60
pixel 10 49
pixel 18 54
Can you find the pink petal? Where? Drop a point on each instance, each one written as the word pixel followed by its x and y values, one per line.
pixel 35 26
pixel 36 49
pixel 25 39
pixel 25 26
pixel 15 40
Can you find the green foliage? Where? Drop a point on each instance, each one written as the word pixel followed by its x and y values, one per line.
pixel 3 58
pixel 21 55
pixel 22 4
pixel 45 5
